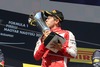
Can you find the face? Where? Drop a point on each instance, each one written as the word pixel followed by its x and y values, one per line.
pixel 51 22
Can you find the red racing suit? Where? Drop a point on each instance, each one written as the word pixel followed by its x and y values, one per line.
pixel 61 58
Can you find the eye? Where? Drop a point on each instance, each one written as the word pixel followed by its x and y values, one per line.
pixel 48 18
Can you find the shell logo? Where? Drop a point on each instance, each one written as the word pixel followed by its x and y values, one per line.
pixel 30 65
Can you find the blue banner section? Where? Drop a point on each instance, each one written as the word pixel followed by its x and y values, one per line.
pixel 87 34
pixel 17 36
pixel 15 30
pixel 86 2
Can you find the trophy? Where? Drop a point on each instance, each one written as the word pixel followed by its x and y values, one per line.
pixel 38 20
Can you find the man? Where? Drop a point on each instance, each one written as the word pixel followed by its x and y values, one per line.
pixel 65 51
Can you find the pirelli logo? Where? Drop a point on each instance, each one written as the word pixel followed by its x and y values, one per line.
pixel 84 55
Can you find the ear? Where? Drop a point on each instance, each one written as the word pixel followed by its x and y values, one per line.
pixel 57 21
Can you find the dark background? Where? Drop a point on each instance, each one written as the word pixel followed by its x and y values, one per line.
pixel 86 2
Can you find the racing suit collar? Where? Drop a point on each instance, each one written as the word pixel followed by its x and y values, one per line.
pixel 56 29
